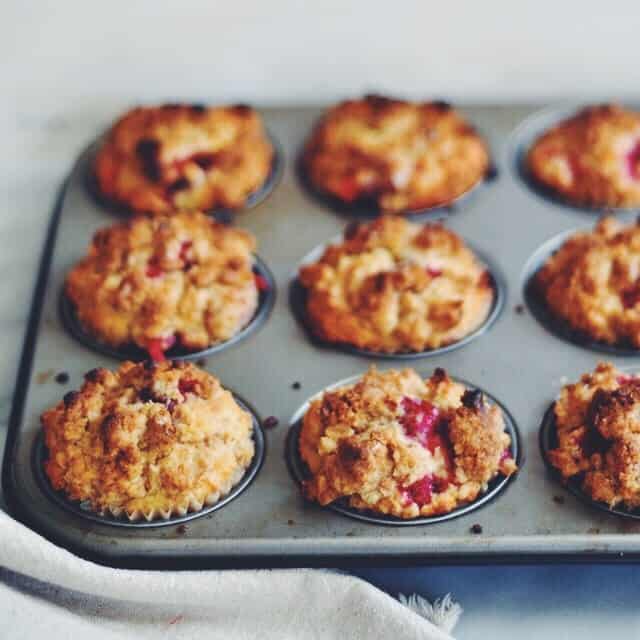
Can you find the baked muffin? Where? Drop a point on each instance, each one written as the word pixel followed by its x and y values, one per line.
pixel 598 432
pixel 591 159
pixel 160 281
pixel 394 286
pixel 184 157
pixel 398 156
pixel 148 441
pixel 396 444
pixel 592 283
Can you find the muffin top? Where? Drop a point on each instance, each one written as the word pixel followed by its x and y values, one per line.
pixel 147 440
pixel 184 157
pixel 399 156
pixel 592 283
pixel 591 159
pixel 596 421
pixel 395 286
pixel 164 280
pixel 396 444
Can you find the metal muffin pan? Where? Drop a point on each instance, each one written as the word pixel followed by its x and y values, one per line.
pixel 270 524
pixel 266 300
pixel 82 510
pixel 298 297
pixel 300 472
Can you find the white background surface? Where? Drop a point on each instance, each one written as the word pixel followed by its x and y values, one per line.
pixel 66 68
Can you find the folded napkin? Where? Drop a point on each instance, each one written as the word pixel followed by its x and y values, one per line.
pixel 48 592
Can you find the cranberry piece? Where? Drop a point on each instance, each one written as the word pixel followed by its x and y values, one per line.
pixel 434 273
pixel 198 108
pixel 348 189
pixel 62 377
pixel 476 528
pixel 633 161
pixel 261 282
pixel 70 398
pixel 442 105
pixel 185 250
pixel 631 296
pixel 624 379
pixel 148 150
pixel 420 419
pixel 178 185
pixel 351 230
pixel 205 160
pixel 154 270
pixel 156 347
pixel 187 385
pixel 473 399
pixel 422 490
pixel 506 455
pixel 492 173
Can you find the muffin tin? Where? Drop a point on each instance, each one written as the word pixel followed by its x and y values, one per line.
pixel 516 360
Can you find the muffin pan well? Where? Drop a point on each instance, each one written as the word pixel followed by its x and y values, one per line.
pixel 266 300
pixel 82 510
pixel 298 298
pixel 222 215
pixel 299 470
pixel 277 368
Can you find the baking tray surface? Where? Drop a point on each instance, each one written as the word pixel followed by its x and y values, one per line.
pixel 276 368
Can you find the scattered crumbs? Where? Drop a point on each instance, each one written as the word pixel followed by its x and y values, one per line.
pixel 43 376
pixel 593 530
pixel 291 522
pixel 176 619
pixel 62 377
pixel 558 499
pixel 519 309
pixel 476 528
pixel 296 385
pixel 182 529
pixel 270 422
pixel 201 362
pixel 492 173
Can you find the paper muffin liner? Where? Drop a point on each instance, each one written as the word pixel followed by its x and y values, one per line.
pixel 193 504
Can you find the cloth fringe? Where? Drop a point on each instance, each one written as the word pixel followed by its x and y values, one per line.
pixel 444 612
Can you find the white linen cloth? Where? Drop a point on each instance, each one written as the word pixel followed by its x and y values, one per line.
pixel 55 595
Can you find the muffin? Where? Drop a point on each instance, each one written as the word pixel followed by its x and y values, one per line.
pixel 591 283
pixel 397 156
pixel 160 281
pixel 598 435
pixel 398 445
pixel 394 286
pixel 591 159
pixel 147 441
pixel 183 157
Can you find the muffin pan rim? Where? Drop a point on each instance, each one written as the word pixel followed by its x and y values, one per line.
pixel 499 484
pixel 297 302
pixel 39 453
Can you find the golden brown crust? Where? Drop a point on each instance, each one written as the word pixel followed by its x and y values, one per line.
pixel 395 444
pixel 184 157
pixel 403 156
pixel 395 286
pixel 147 441
pixel 182 277
pixel 592 283
pixel 596 420
pixel 592 158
